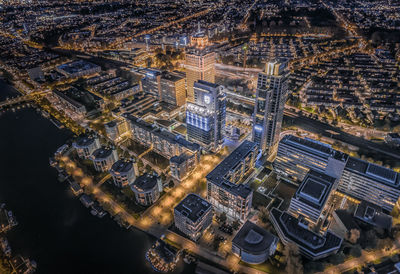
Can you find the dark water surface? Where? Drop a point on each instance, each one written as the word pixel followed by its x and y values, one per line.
pixel 54 228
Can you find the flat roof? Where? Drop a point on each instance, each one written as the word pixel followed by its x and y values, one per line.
pixel 254 239
pixel 217 175
pixel 314 147
pixel 315 189
pixel 84 141
pixel 375 172
pixel 193 207
pixel 312 242
pixel 373 214
pixel 102 153
pixel 77 66
pixel 145 182
pixel 122 165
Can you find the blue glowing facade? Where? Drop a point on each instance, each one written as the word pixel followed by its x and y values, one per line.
pixel 205 117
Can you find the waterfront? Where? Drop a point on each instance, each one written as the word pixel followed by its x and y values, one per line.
pixel 55 229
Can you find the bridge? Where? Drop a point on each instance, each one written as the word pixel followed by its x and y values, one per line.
pixel 21 99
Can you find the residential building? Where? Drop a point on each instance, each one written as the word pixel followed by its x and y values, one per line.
pixel 147 188
pixel 296 156
pixel 103 158
pixel 370 182
pixel 271 95
pixel 254 244
pixel 124 172
pixel 312 196
pixel 117 128
pixel 193 215
pixel 161 140
pixel 181 166
pixel 223 190
pixel 205 115
pixel 312 245
pixel 86 145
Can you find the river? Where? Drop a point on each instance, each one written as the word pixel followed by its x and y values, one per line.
pixel 54 228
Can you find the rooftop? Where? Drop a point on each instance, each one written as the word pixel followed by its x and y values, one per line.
pixel 373 215
pixel 375 172
pixel 145 182
pixel 315 189
pixel 314 147
pixel 217 175
pixel 310 241
pixel 84 141
pixel 102 153
pixel 77 66
pixel 121 166
pixel 193 207
pixel 254 239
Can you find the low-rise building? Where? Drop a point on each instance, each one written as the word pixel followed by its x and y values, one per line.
pixel 254 244
pixel 312 245
pixel 370 182
pixel 193 215
pixel 86 145
pixel 78 69
pixel 103 158
pixel 373 215
pixel 123 172
pixel 181 166
pixel 147 188
pixel 296 156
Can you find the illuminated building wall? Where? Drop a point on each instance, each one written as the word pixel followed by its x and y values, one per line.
pixel 370 182
pixel 205 116
pixel 199 66
pixel 271 95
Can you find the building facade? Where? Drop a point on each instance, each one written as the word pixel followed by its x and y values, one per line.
pixel 205 116
pixel 85 146
pixel 193 215
pixel 199 63
pixel 253 244
pixel 124 172
pixel 223 190
pixel 151 83
pixel 147 188
pixel 271 95
pixel 370 182
pixel 173 89
pixel 181 166
pixel 312 196
pixel 296 156
pixel 103 158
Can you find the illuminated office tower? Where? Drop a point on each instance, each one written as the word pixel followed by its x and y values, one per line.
pixel 205 116
pixel 200 62
pixel 271 94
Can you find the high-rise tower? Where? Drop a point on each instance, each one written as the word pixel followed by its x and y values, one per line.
pixel 271 95
pixel 205 116
pixel 200 62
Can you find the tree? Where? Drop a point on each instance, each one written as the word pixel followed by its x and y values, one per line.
pixel 355 251
pixel 385 244
pixel 236 225
pixel 222 217
pixel 371 240
pixel 353 235
pixel 171 184
pixel 147 168
pixel 337 258
pixel 293 259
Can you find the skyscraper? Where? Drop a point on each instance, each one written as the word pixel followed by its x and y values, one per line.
pixel 200 61
pixel 205 116
pixel 271 95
